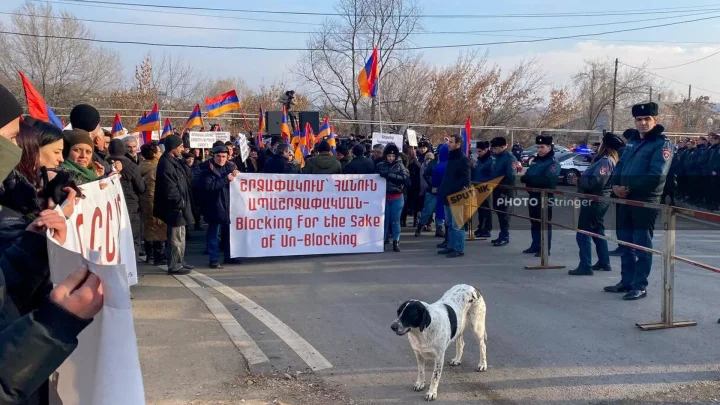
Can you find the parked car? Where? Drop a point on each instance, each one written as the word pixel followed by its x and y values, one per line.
pixel 572 165
pixel 530 152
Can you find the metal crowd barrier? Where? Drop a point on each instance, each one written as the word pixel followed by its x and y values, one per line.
pixel 667 317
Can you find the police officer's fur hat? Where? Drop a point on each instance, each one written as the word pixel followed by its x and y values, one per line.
pixel 391 149
pixel 498 141
pixel 613 141
pixel 543 140
pixel 645 110
pixel 482 145
pixel 423 144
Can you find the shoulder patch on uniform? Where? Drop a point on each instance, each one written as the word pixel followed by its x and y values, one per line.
pixel 666 153
pixel 603 170
pixel 552 167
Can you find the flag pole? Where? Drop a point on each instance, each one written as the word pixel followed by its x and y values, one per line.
pixel 377 80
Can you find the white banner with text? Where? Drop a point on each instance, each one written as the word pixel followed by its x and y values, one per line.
pixel 295 215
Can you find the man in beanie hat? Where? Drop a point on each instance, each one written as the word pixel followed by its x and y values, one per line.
pixel 359 163
pixel 343 156
pixel 505 166
pixel 324 162
pixel 39 323
pixel 482 173
pixel 173 204
pixel 640 175
pixel 87 117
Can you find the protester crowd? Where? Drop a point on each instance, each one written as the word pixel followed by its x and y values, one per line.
pixel 170 188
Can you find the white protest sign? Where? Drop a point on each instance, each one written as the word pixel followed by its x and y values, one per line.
pixel 412 137
pixel 384 139
pixel 244 149
pixel 206 140
pixel 100 222
pixel 295 215
pixel 104 368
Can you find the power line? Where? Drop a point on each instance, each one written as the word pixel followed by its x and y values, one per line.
pixel 671 10
pixel 688 63
pixel 452 46
pixel 312 32
pixel 668 79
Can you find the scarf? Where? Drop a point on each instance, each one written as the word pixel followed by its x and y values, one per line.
pixel 82 173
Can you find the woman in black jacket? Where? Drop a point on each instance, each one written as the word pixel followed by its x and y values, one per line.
pixel 133 187
pixel 396 176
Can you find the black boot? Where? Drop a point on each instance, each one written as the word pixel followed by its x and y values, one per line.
pixel 158 253
pixel 418 230
pixel 396 246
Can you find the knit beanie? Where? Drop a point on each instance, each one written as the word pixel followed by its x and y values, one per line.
pixel 9 107
pixel 74 137
pixel 84 116
pixel 172 142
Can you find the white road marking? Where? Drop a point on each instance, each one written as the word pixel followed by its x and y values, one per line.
pixel 312 357
pixel 239 337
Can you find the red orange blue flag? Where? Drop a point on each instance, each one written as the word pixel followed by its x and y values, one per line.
pixel 117 128
pixel 261 129
pixel 324 129
pixel 466 135
pixel 332 139
pixel 284 127
pixel 167 128
pixel 367 79
pixel 37 107
pixel 150 122
pixel 220 104
pixel 195 119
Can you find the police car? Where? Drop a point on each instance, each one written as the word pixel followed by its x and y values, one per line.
pixel 572 165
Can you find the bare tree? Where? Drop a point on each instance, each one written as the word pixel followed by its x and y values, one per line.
pixel 65 71
pixel 342 46
pixel 594 87
pixel 177 82
pixel 471 87
pixel 405 90
pixel 562 108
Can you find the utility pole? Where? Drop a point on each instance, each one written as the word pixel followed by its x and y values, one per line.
pixel 689 106
pixel 612 115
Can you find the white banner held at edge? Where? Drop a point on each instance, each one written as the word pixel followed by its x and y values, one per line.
pixel 294 215
pixel 244 149
pixel 384 139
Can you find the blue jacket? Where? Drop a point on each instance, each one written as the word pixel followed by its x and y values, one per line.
pixel 484 169
pixel 543 172
pixel 595 179
pixel 439 170
pixel 505 165
pixel 644 165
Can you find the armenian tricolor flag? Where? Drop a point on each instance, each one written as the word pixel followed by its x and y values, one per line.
pixel 261 128
pixel 150 122
pixel 324 129
pixel 195 119
pixel 367 79
pixel 218 105
pixel 300 148
pixel 466 133
pixel 284 127
pixel 332 140
pixel 309 137
pixel 167 128
pixel 117 128
pixel 37 107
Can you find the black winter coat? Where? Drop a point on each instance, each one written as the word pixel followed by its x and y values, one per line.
pixel 360 165
pixel 36 336
pixel 396 176
pixel 18 194
pixel 216 191
pixel 457 175
pixel 132 183
pixel 172 193
pixel 278 164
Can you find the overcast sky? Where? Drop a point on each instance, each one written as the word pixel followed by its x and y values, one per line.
pixel 660 47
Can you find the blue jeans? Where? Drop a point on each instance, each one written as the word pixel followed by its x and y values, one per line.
pixel 213 241
pixel 592 220
pixel 636 225
pixel 456 234
pixel 393 209
pixel 429 209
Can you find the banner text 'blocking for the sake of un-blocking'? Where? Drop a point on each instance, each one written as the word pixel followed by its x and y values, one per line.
pixel 307 214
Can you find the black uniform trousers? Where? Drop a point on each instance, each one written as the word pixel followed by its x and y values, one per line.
pixel 636 225
pixel 499 197
pixel 484 217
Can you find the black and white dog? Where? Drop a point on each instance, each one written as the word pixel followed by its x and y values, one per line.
pixel 432 327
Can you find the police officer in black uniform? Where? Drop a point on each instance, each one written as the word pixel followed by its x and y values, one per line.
pixel 596 181
pixel 505 166
pixel 543 172
pixel 640 175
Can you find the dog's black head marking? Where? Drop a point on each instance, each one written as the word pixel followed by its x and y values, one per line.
pixel 413 314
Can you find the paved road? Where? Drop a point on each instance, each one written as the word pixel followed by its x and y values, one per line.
pixel 553 339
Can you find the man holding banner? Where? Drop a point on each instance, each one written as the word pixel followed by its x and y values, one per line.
pixel 457 178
